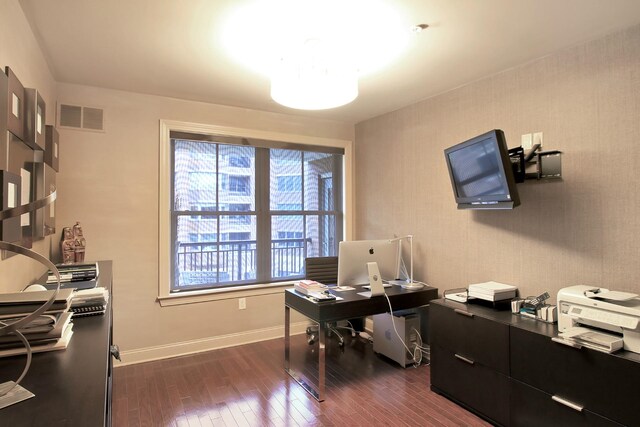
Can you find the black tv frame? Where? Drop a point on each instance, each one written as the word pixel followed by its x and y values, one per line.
pixel 507 200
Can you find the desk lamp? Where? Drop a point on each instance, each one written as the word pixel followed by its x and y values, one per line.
pixel 411 285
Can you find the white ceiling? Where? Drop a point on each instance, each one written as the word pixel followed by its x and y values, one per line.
pixel 172 47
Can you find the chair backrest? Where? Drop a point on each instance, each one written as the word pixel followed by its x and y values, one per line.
pixel 322 269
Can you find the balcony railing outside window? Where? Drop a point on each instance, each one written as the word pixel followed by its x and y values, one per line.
pixel 235 261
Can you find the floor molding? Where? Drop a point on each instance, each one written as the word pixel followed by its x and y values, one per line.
pixel 147 354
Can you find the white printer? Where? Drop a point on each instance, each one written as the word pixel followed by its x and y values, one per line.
pixel 585 311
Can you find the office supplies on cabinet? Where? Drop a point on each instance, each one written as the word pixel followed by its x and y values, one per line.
pixel 492 291
pixel 599 309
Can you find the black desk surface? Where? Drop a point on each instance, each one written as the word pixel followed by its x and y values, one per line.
pixel 71 385
pixel 354 305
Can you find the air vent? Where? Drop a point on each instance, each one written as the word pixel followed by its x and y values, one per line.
pixel 78 117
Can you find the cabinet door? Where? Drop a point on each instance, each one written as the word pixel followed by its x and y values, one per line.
pixel 481 389
pixel 534 408
pixel 483 340
pixel 603 383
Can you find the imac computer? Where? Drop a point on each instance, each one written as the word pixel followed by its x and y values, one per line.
pixel 354 255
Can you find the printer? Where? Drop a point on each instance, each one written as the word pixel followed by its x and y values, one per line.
pixel 599 318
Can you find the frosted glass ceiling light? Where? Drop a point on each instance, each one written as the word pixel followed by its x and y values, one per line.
pixel 314 77
pixel 314 51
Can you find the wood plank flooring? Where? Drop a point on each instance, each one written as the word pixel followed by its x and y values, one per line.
pixel 247 386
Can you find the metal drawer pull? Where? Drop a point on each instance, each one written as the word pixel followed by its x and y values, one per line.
pixel 115 352
pixel 464 313
pixel 567 403
pixel 464 359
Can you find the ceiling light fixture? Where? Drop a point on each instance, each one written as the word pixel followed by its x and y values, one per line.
pixel 314 51
pixel 315 76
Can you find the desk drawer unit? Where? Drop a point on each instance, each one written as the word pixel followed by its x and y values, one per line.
pixel 597 382
pixel 484 341
pixel 481 389
pixel 531 407
pixel 470 360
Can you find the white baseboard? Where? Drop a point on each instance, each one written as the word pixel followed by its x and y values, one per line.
pixel 140 355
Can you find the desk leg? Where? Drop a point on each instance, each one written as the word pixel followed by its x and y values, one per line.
pixel 317 394
pixel 322 336
pixel 287 337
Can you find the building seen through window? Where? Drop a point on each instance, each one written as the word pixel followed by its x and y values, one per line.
pixel 246 215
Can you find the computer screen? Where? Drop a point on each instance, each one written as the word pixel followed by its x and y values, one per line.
pixel 481 173
pixel 354 255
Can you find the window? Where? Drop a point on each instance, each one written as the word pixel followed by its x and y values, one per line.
pixel 240 184
pixel 289 183
pixel 248 214
pixel 239 161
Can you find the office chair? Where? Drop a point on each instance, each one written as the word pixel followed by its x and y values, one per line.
pixel 323 270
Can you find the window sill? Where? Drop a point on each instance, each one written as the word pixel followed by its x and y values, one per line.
pixel 193 297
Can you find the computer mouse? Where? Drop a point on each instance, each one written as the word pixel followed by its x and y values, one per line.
pixel 34 288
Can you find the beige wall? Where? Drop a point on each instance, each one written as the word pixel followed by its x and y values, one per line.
pixel 581 230
pixel 109 182
pixel 20 51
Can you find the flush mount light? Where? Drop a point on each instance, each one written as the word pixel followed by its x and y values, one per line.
pixel 314 51
pixel 314 76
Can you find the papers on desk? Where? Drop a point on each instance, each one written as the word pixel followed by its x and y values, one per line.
pixel 320 298
pixel 343 288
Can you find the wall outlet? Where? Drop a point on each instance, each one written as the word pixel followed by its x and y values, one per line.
pixel 537 138
pixel 242 303
pixel 526 141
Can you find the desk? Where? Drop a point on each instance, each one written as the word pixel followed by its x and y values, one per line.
pixel 72 387
pixel 353 305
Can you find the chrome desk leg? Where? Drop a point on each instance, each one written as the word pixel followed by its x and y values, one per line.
pixel 287 336
pixel 317 394
pixel 322 336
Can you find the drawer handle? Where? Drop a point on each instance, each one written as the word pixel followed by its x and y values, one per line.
pixel 465 359
pixel 568 403
pixel 463 312
pixel 115 352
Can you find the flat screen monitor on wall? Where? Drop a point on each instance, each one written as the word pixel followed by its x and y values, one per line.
pixel 481 174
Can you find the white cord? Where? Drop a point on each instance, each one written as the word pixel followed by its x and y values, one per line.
pixel 417 351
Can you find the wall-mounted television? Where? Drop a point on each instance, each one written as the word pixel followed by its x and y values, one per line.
pixel 481 173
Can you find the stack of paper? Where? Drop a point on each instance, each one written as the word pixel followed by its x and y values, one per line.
pixel 88 302
pixel 50 331
pixel 18 304
pixel 306 287
pixel 492 291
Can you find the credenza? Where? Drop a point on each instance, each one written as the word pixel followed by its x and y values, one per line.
pixel 72 387
pixel 506 369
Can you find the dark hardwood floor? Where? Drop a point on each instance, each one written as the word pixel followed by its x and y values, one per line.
pixel 247 386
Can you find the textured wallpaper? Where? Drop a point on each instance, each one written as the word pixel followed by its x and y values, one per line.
pixel 583 229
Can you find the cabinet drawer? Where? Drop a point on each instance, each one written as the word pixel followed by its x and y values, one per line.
pixel 481 389
pixel 535 408
pixel 604 384
pixel 483 340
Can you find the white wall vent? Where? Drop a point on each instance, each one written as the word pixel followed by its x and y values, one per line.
pixel 79 117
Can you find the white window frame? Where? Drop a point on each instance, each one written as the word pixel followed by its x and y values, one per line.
pixel 165 297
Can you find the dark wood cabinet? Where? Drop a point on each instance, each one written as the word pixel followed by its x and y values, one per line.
pixel 72 387
pixel 507 369
pixel 470 359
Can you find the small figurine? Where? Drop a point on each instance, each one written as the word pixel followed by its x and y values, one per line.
pixel 67 246
pixel 79 242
